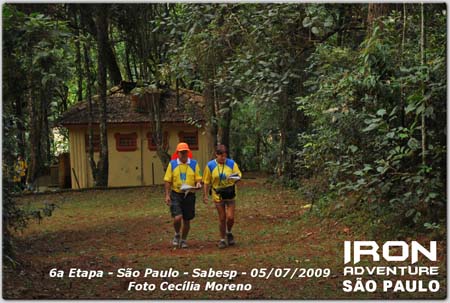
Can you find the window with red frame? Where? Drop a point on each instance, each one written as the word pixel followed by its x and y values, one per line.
pixel 191 138
pixel 126 142
pixel 151 142
pixel 95 141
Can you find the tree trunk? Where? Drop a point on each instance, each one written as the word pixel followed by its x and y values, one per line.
pixel 155 113
pixel 375 11
pixel 258 151
pixel 402 49
pixel 102 31
pixel 20 126
pixel 284 124
pixel 341 21
pixel 210 110
pixel 113 67
pixel 110 59
pixel 35 148
pixel 215 110
pixel 422 61
pixel 79 70
pixel 224 124
pixel 127 59
pixel 92 163
pixel 136 72
pixel 45 134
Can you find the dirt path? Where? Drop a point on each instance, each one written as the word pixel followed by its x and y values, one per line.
pixel 131 228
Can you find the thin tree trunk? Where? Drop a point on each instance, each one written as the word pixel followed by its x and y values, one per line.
pixel 92 163
pixel 155 113
pixel 112 65
pixel 20 126
pixel 136 73
pixel 216 115
pixel 258 143
pixel 45 134
pixel 422 61
pixel 127 59
pixel 258 151
pixel 177 89
pixel 142 71
pixel 35 148
pixel 79 69
pixel 375 11
pixel 341 20
pixel 102 31
pixel 110 59
pixel 402 93
pixel 210 110
pixel 113 68
pixel 215 106
pixel 283 132
pixel 225 124
pixel 212 102
pixel 89 84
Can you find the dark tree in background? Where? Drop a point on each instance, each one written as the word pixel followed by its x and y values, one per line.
pixel 101 22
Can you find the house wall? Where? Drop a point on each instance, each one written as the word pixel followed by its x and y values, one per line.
pixel 131 168
pixel 152 163
pixel 78 158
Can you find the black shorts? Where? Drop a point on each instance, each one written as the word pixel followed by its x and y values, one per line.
pixel 181 205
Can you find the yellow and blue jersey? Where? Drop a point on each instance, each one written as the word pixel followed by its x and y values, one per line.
pixel 216 175
pixel 179 173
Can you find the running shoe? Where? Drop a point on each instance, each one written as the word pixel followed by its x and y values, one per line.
pixel 183 244
pixel 222 244
pixel 230 239
pixel 176 240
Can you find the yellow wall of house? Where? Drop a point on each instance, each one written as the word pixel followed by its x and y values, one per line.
pixel 78 160
pixel 140 167
pixel 153 164
pixel 124 166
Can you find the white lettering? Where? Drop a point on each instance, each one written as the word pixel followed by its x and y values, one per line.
pixel 386 251
pixel 371 249
pixel 430 254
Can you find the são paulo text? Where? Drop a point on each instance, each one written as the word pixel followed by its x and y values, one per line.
pixel 172 273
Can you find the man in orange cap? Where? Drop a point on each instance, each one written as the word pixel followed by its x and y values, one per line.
pixel 182 173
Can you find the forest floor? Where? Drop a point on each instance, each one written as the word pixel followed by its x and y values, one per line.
pixel 131 228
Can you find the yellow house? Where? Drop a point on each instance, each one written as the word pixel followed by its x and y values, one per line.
pixel 132 155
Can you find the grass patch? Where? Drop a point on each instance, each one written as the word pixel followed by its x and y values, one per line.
pixel 132 228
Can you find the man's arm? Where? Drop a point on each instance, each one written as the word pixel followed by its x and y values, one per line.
pixel 205 193
pixel 237 170
pixel 206 181
pixel 167 186
pixel 198 177
pixel 168 183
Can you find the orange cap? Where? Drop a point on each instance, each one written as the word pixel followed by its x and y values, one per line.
pixel 182 146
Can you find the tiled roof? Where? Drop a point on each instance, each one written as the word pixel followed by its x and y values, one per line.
pixel 119 109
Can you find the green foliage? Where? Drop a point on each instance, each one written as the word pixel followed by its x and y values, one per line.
pixel 35 57
pixel 249 58
pixel 15 218
pixel 302 93
pixel 256 149
pixel 365 106
pixel 36 68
